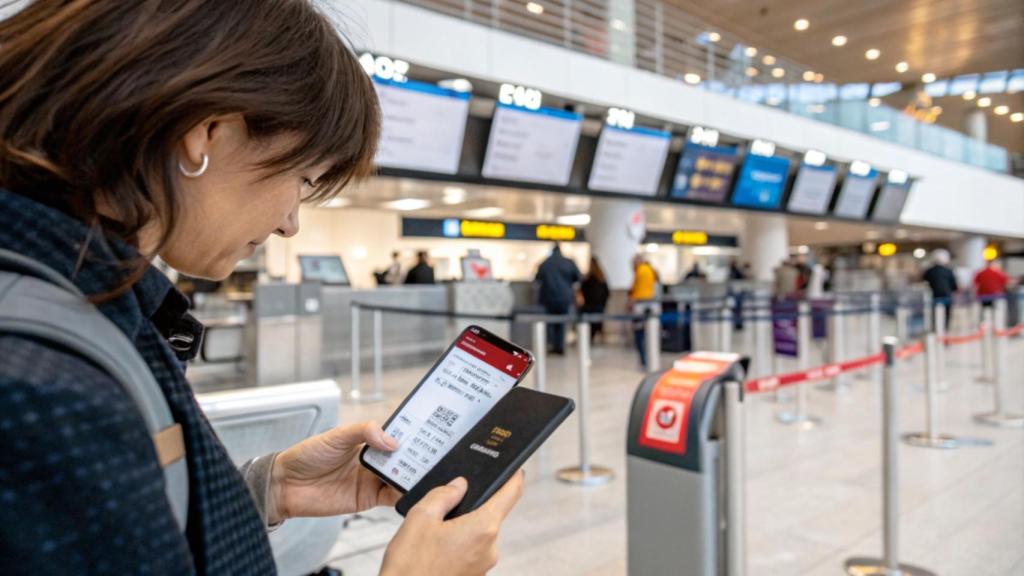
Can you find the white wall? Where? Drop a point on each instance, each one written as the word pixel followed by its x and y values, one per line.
pixel 949 194
pixel 366 238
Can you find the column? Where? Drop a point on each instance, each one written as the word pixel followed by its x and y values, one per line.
pixel 622 31
pixel 765 244
pixel 976 125
pixel 968 253
pixel 615 231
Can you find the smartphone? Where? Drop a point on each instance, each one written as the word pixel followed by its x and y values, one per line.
pixel 476 371
pixel 494 449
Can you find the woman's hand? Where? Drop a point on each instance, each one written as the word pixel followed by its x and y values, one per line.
pixel 427 545
pixel 322 476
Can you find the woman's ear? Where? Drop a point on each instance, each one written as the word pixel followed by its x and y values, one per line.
pixel 210 134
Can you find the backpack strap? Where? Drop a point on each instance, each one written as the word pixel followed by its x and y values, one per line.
pixel 38 302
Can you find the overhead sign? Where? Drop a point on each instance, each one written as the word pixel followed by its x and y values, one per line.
pixel 629 161
pixel 891 200
pixel 856 194
pixel 422 126
pixel 813 189
pixel 690 238
pixel 704 173
pixel 536 146
pixel 761 183
pixel 455 228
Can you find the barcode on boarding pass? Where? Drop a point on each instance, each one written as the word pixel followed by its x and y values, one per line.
pixel 445 416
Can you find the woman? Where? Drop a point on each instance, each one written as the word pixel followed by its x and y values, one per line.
pixel 594 290
pixel 189 130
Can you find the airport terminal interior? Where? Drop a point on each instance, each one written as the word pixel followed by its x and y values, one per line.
pixel 773 252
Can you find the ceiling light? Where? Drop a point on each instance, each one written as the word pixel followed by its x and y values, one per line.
pixel 534 8
pixel 897 176
pixel 860 168
pixel 801 24
pixel 821 226
pixel 920 253
pixel 691 78
pixel 406 204
pixel 902 67
pixel 768 60
pixel 815 158
pixel 928 77
pixel 778 72
pixel 714 36
pixel 454 195
pixel 574 219
pixel 872 235
pixel 819 78
pixel 803 249
pixel 751 71
pixel 487 212
pixel 969 95
pixel 1016 116
pixel 872 54
pixel 618 24
pixel 874 102
pixel 984 102
pixel 457 84
pixel 936 110
pixel 839 40
pixel 1001 110
pixel 808 76
pixel 880 126
pixel 750 51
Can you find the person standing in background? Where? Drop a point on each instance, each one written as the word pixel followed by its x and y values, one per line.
pixel 642 301
pixel 990 283
pixel 942 281
pixel 557 277
pixel 393 275
pixel 422 272
pixel 594 289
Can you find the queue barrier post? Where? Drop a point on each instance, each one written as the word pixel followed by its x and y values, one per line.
pixel 875 333
pixel 586 474
pixel 735 481
pixel 988 328
pixel 939 325
pixel 889 563
pixel 931 438
pixel 356 367
pixel 725 327
pixel 652 339
pixel 837 337
pixel 799 416
pixel 999 416
pixel 540 355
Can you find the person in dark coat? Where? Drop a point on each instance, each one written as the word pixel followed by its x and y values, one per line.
pixel 557 277
pixel 422 272
pixel 191 131
pixel 595 293
pixel 942 282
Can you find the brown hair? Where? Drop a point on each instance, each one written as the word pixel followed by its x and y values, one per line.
pixel 596 272
pixel 96 94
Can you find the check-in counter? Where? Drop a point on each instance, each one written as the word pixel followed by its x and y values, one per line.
pixel 407 338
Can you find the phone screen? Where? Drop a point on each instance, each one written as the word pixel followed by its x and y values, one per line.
pixel 475 372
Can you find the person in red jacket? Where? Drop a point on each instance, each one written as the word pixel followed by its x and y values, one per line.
pixel 990 282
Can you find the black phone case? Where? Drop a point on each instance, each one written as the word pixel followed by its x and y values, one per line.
pixel 495 448
pixel 487 335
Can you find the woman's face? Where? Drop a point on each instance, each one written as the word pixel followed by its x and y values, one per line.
pixel 233 207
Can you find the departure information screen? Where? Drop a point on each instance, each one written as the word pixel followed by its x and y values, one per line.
pixel 454 396
pixel 812 190
pixel 629 160
pixel 855 195
pixel 536 146
pixel 890 203
pixel 704 173
pixel 422 126
pixel 761 183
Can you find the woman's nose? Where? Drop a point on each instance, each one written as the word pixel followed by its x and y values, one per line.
pixel 290 226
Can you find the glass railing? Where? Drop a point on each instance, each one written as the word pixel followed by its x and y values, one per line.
pixel 664 38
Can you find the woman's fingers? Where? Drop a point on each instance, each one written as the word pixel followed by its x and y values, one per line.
pixel 441 500
pixel 344 437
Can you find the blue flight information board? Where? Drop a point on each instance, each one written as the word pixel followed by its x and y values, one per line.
pixel 704 173
pixel 761 182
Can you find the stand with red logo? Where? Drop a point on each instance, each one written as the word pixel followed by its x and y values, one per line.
pixel 683 476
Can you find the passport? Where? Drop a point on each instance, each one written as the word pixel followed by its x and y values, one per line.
pixel 493 450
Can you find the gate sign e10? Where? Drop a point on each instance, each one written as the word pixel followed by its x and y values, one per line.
pixel 521 96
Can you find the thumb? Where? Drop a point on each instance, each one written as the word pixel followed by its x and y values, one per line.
pixel 345 437
pixel 441 500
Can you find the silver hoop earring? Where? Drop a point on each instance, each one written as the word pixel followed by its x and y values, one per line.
pixel 196 173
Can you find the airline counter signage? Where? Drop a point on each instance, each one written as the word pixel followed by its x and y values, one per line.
pixel 464 228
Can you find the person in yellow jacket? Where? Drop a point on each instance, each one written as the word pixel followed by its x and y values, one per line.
pixel 642 299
